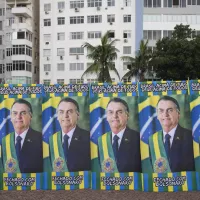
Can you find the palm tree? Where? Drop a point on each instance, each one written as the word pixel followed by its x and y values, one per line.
pixel 103 56
pixel 140 64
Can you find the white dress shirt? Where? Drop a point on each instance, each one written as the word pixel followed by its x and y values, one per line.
pixel 70 135
pixel 120 135
pixel 171 133
pixel 22 135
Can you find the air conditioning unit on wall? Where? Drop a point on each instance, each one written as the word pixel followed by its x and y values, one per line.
pixel 76 9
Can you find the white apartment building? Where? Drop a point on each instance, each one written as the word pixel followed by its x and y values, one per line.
pixel 19 41
pixel 65 25
pixel 161 16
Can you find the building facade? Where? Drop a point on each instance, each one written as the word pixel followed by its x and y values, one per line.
pixel 19 41
pixel 161 16
pixel 65 25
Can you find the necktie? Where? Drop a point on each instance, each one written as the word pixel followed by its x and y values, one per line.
pixel 167 144
pixel 65 146
pixel 18 146
pixel 115 145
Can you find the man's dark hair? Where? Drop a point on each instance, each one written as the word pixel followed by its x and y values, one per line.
pixel 67 99
pixel 118 100
pixel 22 101
pixel 168 98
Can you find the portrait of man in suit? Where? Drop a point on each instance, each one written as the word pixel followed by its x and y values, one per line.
pixel 119 149
pixel 22 149
pixel 70 147
pixel 171 149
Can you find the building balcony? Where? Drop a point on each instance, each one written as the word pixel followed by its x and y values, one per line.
pixel 22 42
pixel 22 57
pixel 22 11
pixel 12 2
pixel 21 73
pixel 22 26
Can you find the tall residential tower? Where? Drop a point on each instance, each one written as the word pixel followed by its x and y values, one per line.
pixel 65 25
pixel 19 41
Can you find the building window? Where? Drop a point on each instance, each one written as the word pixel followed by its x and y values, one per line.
pixel 47 67
pixel 126 50
pixel 76 50
pixel 152 34
pixel 1 25
pixel 60 51
pixel 77 20
pixel 110 18
pixel 76 35
pixel 18 50
pixel 94 3
pixel 2 69
pixel 127 3
pixel 92 80
pixel 29 36
pixel 61 5
pixel 28 66
pixel 94 34
pixel 167 33
pixel 77 4
pixel 126 66
pixel 111 2
pixel 127 18
pixel 127 34
pixel 61 36
pixel 47 7
pixel 28 51
pixel 76 81
pixel 9 36
pixel 20 35
pixel 177 3
pixel 46 81
pixel 61 20
pixel 47 22
pixel 94 19
pixel 193 2
pixel 152 3
pixel 61 67
pixel 111 34
pixel 46 52
pixel 19 65
pixel 47 37
pixel 1 39
pixel 2 11
pixel 2 54
pixel 8 52
pixel 60 81
pixel 10 21
pixel 76 66
pixel 9 67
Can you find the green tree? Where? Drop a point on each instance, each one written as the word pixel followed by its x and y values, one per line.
pixel 139 65
pixel 177 58
pixel 103 57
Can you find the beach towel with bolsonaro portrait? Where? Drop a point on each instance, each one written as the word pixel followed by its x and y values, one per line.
pixel 167 150
pixel 66 137
pixel 115 138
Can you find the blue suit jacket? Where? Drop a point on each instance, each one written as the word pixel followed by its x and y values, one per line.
pixel 79 151
pixel 31 156
pixel 181 152
pixel 128 157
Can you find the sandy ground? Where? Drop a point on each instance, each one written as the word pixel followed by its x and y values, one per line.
pixel 96 195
